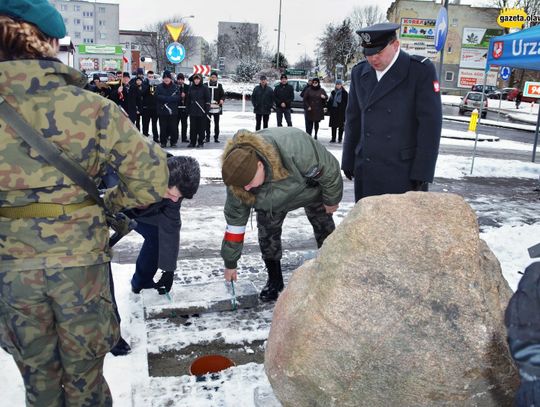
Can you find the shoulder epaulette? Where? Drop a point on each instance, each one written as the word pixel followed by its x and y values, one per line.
pixel 419 58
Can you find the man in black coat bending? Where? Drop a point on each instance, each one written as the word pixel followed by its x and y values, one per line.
pixel 393 118
pixel 160 223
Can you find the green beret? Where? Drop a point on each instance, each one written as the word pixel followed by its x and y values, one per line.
pixel 38 12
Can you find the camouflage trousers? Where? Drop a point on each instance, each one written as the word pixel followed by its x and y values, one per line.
pixel 270 228
pixel 58 324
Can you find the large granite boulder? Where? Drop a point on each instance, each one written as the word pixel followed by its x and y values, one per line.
pixel 402 307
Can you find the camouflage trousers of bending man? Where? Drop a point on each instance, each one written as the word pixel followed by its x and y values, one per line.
pixel 270 227
pixel 58 324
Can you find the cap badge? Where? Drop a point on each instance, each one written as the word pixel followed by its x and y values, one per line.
pixel 366 37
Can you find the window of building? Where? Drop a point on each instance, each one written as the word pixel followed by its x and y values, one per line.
pixel 88 14
pixel 63 7
pixel 88 28
pixel 449 76
pixel 449 50
pixel 77 21
pixel 77 34
pixel 102 36
pixel 77 8
pixel 66 20
pixel 101 23
pixel 101 9
pixel 88 40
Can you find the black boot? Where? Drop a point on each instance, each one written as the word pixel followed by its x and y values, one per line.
pixel 121 348
pixel 274 285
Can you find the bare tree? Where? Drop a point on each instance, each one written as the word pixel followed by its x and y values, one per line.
pixel 243 45
pixel 156 44
pixel 304 62
pixel 364 16
pixel 338 45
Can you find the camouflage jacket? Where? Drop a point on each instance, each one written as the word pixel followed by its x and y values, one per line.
pixel 91 130
pixel 299 171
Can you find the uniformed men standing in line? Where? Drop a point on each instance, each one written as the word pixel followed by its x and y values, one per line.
pixel 57 318
pixel 393 118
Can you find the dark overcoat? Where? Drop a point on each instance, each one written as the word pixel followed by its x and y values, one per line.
pixel 337 114
pixel 165 215
pixel 314 104
pixel 393 127
pixel 262 99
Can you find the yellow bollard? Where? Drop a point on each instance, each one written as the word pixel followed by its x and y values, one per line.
pixel 474 121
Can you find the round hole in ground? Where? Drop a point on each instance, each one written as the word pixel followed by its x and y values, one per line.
pixel 210 364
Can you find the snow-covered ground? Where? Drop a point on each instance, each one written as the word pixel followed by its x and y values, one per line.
pixel 128 376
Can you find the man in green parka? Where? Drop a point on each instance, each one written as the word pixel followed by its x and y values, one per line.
pixel 275 171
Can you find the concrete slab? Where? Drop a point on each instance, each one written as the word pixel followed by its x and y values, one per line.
pixel 187 299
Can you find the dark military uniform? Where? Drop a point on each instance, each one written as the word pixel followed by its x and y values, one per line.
pixel 393 126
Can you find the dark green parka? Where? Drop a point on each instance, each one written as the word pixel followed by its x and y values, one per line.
pixel 291 157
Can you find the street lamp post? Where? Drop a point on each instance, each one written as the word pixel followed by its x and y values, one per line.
pixel 278 35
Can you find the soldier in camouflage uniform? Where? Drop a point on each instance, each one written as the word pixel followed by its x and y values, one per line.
pixel 276 171
pixel 56 314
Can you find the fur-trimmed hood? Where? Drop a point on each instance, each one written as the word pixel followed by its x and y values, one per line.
pixel 275 171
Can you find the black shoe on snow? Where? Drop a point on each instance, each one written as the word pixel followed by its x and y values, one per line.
pixel 270 292
pixel 121 348
pixel 136 290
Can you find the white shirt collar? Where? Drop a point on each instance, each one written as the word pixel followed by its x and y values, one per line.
pixel 380 74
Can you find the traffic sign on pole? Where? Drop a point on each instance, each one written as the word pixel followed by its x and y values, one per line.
pixel 505 72
pixel 441 29
pixel 175 52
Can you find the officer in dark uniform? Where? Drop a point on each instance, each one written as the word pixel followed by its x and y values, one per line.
pixel 393 118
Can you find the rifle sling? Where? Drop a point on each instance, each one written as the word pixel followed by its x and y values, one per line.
pixel 54 155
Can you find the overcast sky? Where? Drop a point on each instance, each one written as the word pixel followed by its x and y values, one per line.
pixel 302 21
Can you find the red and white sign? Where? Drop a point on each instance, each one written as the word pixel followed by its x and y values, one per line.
pixel 470 77
pixel 532 89
pixel 474 58
pixel 202 69
pixel 497 49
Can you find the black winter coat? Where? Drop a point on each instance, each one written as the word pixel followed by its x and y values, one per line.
pixel 198 99
pixel 149 96
pixel 393 127
pixel 337 114
pixel 166 216
pixel 314 104
pixel 283 94
pixel 167 97
pixel 216 93
pixel 130 99
pixel 182 101
pixel 262 99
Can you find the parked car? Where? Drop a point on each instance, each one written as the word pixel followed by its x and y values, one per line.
pixel 298 85
pixel 471 101
pixel 489 89
pixel 513 93
pixel 501 92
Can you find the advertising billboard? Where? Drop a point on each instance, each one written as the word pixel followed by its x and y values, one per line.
pixel 479 37
pixel 420 28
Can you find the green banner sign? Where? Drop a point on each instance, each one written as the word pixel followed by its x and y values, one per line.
pixel 479 37
pixel 100 49
pixel 298 72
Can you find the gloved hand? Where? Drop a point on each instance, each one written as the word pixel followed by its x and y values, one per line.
pixel 164 284
pixel 419 185
pixel 348 174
